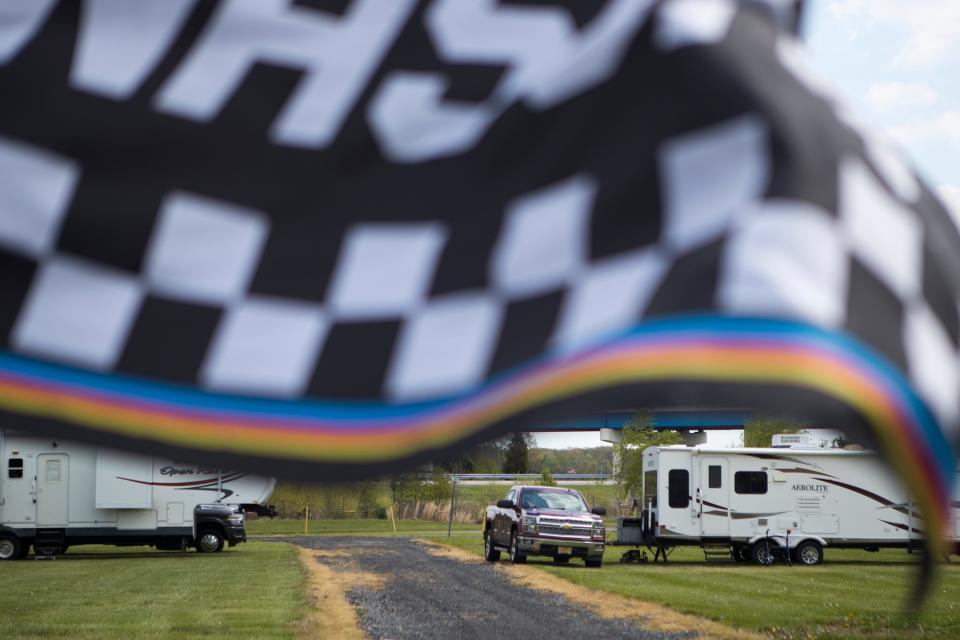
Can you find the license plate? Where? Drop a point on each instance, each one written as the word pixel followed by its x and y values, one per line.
pixel 566 551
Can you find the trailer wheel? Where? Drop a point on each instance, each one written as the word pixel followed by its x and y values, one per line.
pixel 741 553
pixel 210 541
pixel 515 556
pixel 11 547
pixel 808 552
pixel 762 552
pixel 489 552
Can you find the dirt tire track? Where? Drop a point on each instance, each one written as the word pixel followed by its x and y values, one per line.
pixel 607 605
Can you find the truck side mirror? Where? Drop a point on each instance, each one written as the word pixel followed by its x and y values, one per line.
pixel 505 504
pixel 599 511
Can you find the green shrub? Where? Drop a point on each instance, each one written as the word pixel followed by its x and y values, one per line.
pixel 546 478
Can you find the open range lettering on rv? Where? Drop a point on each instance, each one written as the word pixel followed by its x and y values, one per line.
pixel 171 470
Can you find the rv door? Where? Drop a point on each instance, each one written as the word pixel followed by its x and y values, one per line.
pixel 713 491
pixel 53 476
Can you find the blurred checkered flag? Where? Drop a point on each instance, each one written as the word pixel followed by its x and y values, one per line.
pixel 328 238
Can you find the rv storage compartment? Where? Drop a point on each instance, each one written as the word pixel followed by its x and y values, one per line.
pixel 123 481
pixel 630 530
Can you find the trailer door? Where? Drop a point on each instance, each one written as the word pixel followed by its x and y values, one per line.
pixel 714 494
pixel 52 487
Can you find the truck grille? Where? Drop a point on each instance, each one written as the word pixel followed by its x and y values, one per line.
pixel 572 528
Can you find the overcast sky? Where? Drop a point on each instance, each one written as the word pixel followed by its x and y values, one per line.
pixel 898 64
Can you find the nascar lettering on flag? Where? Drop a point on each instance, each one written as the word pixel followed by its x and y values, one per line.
pixel 547 60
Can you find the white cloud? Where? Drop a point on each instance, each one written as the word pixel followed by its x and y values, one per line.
pixel 945 127
pixel 931 28
pixel 891 96
pixel 951 197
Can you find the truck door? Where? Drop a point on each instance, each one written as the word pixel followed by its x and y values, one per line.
pixel 52 489
pixel 505 520
pixel 714 498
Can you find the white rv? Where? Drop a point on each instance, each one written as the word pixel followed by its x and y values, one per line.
pixel 56 494
pixel 757 504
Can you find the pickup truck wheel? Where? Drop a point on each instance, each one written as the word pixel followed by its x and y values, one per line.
pixel 515 556
pixel 594 564
pixel 561 559
pixel 491 554
pixel 209 541
pixel 10 547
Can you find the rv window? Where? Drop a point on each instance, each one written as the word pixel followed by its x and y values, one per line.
pixel 750 482
pixel 15 468
pixel 52 471
pixel 678 486
pixel 714 481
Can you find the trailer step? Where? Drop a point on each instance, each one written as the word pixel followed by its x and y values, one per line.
pixel 717 552
pixel 49 542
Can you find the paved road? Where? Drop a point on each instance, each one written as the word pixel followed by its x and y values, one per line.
pixel 425 596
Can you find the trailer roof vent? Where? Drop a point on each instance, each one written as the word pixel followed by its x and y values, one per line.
pixel 794 441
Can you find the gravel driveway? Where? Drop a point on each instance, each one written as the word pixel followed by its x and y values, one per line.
pixel 424 596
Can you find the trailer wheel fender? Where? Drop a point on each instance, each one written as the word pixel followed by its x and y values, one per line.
pixel 795 541
pixel 774 539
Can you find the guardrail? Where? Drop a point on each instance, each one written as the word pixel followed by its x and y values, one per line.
pixel 527 478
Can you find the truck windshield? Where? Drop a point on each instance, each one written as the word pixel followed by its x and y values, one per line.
pixel 553 500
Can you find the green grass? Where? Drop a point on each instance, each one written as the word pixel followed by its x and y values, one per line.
pixel 254 590
pixel 356 527
pixel 854 594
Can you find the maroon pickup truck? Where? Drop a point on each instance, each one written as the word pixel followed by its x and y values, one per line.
pixel 544 521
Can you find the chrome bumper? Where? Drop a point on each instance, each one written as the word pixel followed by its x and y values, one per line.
pixel 549 546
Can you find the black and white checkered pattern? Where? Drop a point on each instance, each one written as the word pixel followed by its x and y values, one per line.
pixel 713 173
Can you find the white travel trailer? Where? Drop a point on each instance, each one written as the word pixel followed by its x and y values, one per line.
pixel 56 494
pixel 757 504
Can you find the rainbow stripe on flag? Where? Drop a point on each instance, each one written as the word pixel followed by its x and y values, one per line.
pixel 704 349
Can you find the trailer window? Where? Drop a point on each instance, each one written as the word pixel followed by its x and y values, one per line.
pixel 678 487
pixel 714 481
pixel 750 482
pixel 15 468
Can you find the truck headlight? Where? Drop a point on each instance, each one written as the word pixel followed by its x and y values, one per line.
pixel 530 524
pixel 235 519
pixel 599 532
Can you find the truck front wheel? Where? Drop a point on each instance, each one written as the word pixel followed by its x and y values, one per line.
pixel 209 541
pixel 491 554
pixel 593 564
pixel 515 556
